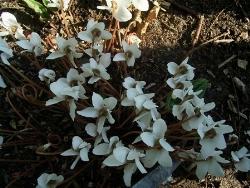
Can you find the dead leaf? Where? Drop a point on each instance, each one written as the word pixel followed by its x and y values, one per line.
pixel 242 64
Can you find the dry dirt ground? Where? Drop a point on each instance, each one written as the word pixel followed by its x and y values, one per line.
pixel 222 44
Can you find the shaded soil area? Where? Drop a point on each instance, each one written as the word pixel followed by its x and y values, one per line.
pixel 216 53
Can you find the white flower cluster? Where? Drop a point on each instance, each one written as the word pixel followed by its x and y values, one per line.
pixel 102 117
pixel 191 111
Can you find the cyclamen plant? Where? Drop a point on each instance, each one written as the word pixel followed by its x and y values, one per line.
pixel 123 124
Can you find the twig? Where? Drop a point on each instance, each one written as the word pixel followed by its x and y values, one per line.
pixel 198 30
pixel 227 61
pixel 205 43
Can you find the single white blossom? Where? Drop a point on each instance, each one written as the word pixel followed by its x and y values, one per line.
pixel 32 45
pixel 212 135
pixel 156 137
pixel 131 52
pixel 63 90
pixel 80 149
pixel 107 147
pixel 95 71
pixel 183 71
pixel 241 159
pixel 49 180
pixel 8 21
pixel 95 32
pixel 66 48
pixel 118 157
pixel 6 51
pixel 47 75
pixel 210 165
pixel 200 109
pixel 101 110
pixel 134 156
pixel 119 9
pixel 74 78
pixel 2 83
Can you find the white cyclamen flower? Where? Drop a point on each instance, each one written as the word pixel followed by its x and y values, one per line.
pixel 80 149
pixel 212 135
pixel 210 165
pixel 153 138
pixel 122 155
pixel 131 52
pixel 2 83
pixel 62 89
pixel 134 156
pixel 9 22
pixel 241 159
pixel 119 9
pixel 5 51
pixel 60 4
pixel 107 147
pixel 101 109
pixel 95 32
pixel 74 78
pixel 66 48
pixel 47 75
pixel 183 71
pixel 200 109
pixel 32 45
pixel 95 71
pixel 49 180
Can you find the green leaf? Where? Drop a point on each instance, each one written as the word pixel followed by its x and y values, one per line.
pixel 45 2
pixel 200 84
pixel 170 102
pixel 38 8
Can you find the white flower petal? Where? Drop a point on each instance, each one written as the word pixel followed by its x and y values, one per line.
pixel 165 159
pixel 76 142
pixel 97 101
pixel 72 109
pixel 112 161
pixel 166 145
pixel 88 112
pixel 84 154
pixel 54 100
pixel 120 153
pixel 55 55
pixel 148 138
pixel 69 152
pixel 141 5
pixel 2 83
pixel 101 149
pixel 128 171
pixel 91 129
pixel 119 57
